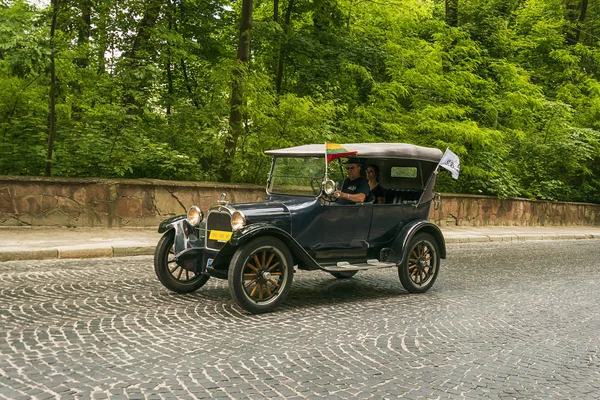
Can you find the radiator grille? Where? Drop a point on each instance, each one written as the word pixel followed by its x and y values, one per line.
pixel 218 221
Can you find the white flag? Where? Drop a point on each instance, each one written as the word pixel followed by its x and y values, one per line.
pixel 451 162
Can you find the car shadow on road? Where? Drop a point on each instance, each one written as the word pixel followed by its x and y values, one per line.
pixel 311 290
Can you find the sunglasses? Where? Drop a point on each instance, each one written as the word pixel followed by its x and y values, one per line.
pixel 350 168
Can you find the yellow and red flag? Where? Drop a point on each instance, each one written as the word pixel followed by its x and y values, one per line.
pixel 333 151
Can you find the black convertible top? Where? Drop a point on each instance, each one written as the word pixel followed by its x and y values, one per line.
pixel 367 150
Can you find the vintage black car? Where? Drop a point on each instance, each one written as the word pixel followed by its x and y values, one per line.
pixel 257 246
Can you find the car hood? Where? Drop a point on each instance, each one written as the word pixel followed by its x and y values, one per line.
pixel 277 211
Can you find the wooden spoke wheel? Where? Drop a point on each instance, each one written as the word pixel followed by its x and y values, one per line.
pixel 260 274
pixel 420 266
pixel 169 273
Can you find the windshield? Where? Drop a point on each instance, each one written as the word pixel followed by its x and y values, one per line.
pixel 301 176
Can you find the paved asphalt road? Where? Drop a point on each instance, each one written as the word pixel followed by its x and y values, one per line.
pixel 504 320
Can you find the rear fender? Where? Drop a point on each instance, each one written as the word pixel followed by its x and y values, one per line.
pixel 396 249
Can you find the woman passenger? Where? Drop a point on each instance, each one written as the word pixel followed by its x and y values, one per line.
pixel 376 190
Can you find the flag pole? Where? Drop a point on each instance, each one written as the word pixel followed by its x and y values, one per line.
pixel 325 160
pixel 433 173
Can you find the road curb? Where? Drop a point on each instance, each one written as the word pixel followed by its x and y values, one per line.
pixel 28 255
pixel 97 252
pixel 514 238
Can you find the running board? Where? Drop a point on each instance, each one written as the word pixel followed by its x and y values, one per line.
pixel 346 266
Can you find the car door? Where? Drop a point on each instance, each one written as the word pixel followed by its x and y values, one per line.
pixel 345 226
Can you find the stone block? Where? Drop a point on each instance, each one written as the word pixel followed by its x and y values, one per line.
pixel 135 192
pixel 85 253
pixel 127 207
pixel 550 237
pixel 69 207
pixel 6 220
pixel 48 202
pixel 81 195
pixel 148 207
pixel 29 204
pixel 566 237
pixel 6 201
pixel 496 238
pixel 53 217
pixel 101 207
pixel 98 192
pixel 478 238
pixel 133 251
pixel 530 237
pixel 167 203
pixel 56 189
pixel 28 255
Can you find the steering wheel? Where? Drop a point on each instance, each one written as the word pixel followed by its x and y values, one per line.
pixel 315 185
pixel 329 186
pixel 329 197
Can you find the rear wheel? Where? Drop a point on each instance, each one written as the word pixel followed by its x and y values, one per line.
pixel 169 273
pixel 420 267
pixel 260 274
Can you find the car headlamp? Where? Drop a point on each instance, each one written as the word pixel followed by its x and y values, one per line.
pixel 238 221
pixel 194 216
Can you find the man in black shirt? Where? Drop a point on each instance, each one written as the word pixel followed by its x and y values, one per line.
pixel 355 188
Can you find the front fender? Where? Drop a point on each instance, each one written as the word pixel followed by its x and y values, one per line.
pixel 168 223
pixel 239 238
pixel 186 235
pixel 408 232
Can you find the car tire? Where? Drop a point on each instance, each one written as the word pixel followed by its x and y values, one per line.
pixel 421 264
pixel 260 274
pixel 344 274
pixel 169 273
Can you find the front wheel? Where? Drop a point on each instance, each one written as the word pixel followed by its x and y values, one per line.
pixel 420 267
pixel 260 274
pixel 169 273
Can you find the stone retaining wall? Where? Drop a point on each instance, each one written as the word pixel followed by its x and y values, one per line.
pixel 26 201
pixel 33 201
pixel 469 210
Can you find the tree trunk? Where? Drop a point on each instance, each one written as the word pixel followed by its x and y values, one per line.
pixel 169 99
pixel 140 43
pixel 186 78
pixel 188 85
pixel 145 26
pixel 452 13
pixel 84 29
pixel 53 84
pixel 237 93
pixel 575 10
pixel 282 52
pixel 169 84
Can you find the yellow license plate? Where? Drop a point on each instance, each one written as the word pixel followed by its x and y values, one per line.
pixel 220 236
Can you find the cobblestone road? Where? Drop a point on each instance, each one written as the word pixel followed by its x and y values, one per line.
pixel 504 320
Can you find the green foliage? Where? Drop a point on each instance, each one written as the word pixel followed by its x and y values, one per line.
pixel 144 88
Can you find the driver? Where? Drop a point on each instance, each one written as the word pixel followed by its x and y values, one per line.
pixel 355 188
